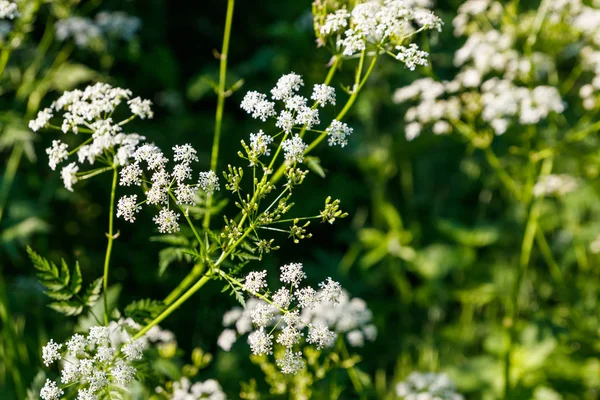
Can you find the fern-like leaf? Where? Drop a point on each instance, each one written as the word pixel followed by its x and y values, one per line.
pixel 144 310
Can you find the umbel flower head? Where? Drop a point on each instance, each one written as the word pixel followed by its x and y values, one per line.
pixel 89 113
pixel 374 25
pixel 97 362
pixel 275 319
pixel 295 114
pixel 171 189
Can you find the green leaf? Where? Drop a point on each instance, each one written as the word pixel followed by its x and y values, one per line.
pixel 70 75
pixel 92 293
pixel 314 164
pixel 68 308
pixel 144 310
pixel 76 279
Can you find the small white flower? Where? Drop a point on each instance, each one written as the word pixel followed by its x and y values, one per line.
pixel 167 221
pixel 127 207
pixel 260 342
pixel 186 194
pixel 292 274
pixel 282 298
pixel 50 352
pixel 42 118
pixel 209 181
pixel 76 344
pixel 320 335
pixel 331 291
pixel 104 354
pixel 259 143
pixel 289 336
pixel 157 195
pixel 307 297
pixel 122 373
pixel 255 281
pixel 338 133
pixel 86 394
pixel 134 350
pixel 295 102
pixel 226 339
pixel 335 22
pixel 258 106
pixel 50 391
pixel 131 175
pixel 294 149
pixel 57 153
pixel 307 116
pixel 356 338
pixel 99 380
pixel 181 172
pixel 69 176
pixel 291 362
pixel 285 121
pixel 69 373
pixel 323 94
pixel 184 153
pixel 262 314
pixel 411 56
pixel 141 108
pixel 286 86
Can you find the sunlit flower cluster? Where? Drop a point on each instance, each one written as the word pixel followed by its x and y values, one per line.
pixel 272 318
pixel 427 386
pixel 295 114
pixel 149 169
pixel 8 10
pixel 96 362
pixel 376 24
pixel 89 112
pixel 554 185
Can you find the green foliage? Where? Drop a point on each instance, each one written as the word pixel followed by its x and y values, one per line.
pixel 64 285
pixel 144 311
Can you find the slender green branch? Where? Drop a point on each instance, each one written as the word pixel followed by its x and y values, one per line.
pixel 220 103
pixel 509 182
pixel 185 283
pixel 201 282
pixel 9 175
pixel 526 247
pixel 111 237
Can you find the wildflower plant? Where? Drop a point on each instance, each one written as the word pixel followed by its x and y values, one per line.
pixel 181 197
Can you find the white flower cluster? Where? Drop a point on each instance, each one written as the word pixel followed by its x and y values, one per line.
pixel 278 312
pixel 351 317
pixel 107 25
pixel 89 111
pixel 295 114
pixel 8 10
pixel 498 105
pixel 185 390
pixel 427 386
pixel 104 357
pixel 470 10
pixel 554 185
pixel 379 24
pixel 163 184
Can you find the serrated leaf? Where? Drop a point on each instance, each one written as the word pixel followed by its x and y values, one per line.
pixel 92 293
pixel 68 308
pixel 144 310
pixel 76 279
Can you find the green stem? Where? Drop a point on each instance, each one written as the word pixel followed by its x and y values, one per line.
pixel 111 237
pixel 9 175
pixel 526 247
pixel 173 306
pixel 220 103
pixel 184 284
pixel 510 184
pixel 548 257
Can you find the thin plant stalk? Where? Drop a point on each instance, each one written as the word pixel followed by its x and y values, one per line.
pixel 220 104
pixel 111 237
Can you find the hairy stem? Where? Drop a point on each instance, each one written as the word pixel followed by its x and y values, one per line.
pixel 220 103
pixel 111 237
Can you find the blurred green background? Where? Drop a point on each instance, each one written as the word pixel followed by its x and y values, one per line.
pixel 439 309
